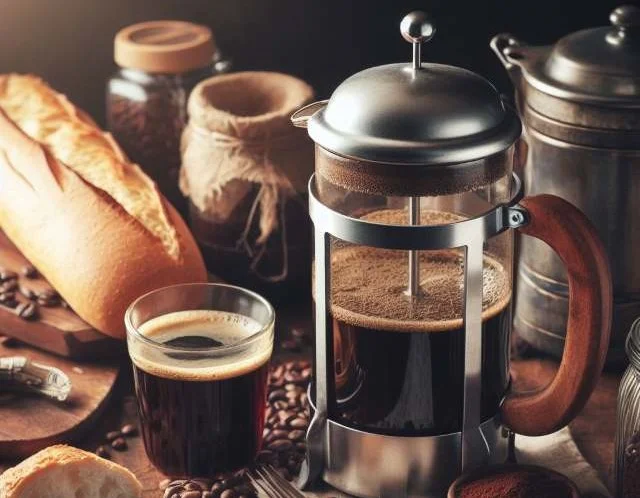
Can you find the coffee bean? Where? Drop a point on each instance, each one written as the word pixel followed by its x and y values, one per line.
pixel 280 445
pixel 48 297
pixel 296 435
pixel 6 274
pixel 192 486
pixel 228 493
pixel 29 271
pixel 28 293
pixel 294 395
pixel 172 491
pixel 217 488
pixel 203 483
pixel 280 404
pixel 276 434
pixel 9 286
pixel 191 494
pixel 8 299
pixel 164 484
pixel 102 452
pixel 119 444
pixel 207 494
pixel 129 430
pixel 27 311
pixel 111 436
pixel 278 394
pixel 298 423
pixel 293 376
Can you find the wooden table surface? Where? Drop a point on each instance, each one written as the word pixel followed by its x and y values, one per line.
pixel 593 429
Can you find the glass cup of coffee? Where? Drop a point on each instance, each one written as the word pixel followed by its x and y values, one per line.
pixel 200 355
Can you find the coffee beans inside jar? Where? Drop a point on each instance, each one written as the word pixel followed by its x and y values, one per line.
pixel 160 62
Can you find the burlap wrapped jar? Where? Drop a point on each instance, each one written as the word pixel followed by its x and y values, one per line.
pixel 245 170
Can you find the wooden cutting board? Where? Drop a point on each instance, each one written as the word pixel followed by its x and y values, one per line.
pixel 57 329
pixel 29 423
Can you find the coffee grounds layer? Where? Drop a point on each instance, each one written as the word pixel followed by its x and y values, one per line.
pixel 201 345
pixel 368 284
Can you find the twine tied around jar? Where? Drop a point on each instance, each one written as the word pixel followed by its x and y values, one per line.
pixel 239 136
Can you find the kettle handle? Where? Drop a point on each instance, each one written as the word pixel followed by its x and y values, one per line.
pixel 505 45
pixel 572 236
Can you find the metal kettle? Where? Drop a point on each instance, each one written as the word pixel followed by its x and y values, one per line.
pixel 579 100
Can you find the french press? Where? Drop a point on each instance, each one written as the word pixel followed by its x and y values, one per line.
pixel 413 201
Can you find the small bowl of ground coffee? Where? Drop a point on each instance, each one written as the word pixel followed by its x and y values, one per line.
pixel 513 481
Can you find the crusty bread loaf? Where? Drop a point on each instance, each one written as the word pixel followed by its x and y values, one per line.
pixel 65 472
pixel 92 222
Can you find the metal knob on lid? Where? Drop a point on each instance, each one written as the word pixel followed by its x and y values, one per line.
pixel 417 28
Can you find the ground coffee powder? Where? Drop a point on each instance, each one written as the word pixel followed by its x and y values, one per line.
pixel 521 483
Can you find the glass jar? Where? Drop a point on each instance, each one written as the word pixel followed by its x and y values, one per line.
pixel 159 64
pixel 245 171
pixel 627 450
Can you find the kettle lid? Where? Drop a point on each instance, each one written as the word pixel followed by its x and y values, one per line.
pixel 599 66
pixel 415 113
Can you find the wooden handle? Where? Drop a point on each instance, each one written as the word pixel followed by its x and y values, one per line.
pixel 573 237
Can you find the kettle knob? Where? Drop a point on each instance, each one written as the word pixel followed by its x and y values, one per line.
pixel 625 19
pixel 417 27
pixel 625 16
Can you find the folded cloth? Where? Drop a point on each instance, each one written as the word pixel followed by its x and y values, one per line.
pixel 558 451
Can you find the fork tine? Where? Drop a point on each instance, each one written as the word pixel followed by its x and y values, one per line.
pixel 281 482
pixel 267 478
pixel 260 486
pixel 297 493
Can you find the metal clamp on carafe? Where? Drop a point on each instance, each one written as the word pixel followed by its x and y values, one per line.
pixel 413 201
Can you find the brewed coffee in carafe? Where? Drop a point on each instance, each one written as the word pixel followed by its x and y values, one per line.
pixel 399 358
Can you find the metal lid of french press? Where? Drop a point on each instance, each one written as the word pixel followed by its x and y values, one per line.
pixel 419 113
pixel 599 66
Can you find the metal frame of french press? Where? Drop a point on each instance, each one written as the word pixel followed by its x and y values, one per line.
pixel 332 447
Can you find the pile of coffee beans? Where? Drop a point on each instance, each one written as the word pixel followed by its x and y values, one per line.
pixel 117 440
pixel 286 420
pixel 11 287
pixel 234 485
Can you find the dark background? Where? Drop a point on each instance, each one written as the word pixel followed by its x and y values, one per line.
pixel 69 42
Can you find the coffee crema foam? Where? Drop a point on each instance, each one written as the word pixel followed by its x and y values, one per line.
pixel 225 327
pixel 368 284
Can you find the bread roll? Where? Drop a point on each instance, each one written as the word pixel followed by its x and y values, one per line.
pixel 92 222
pixel 65 472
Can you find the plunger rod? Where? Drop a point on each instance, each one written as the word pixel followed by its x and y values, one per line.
pixel 414 257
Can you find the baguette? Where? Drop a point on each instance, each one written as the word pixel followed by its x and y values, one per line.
pixel 64 472
pixel 92 222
